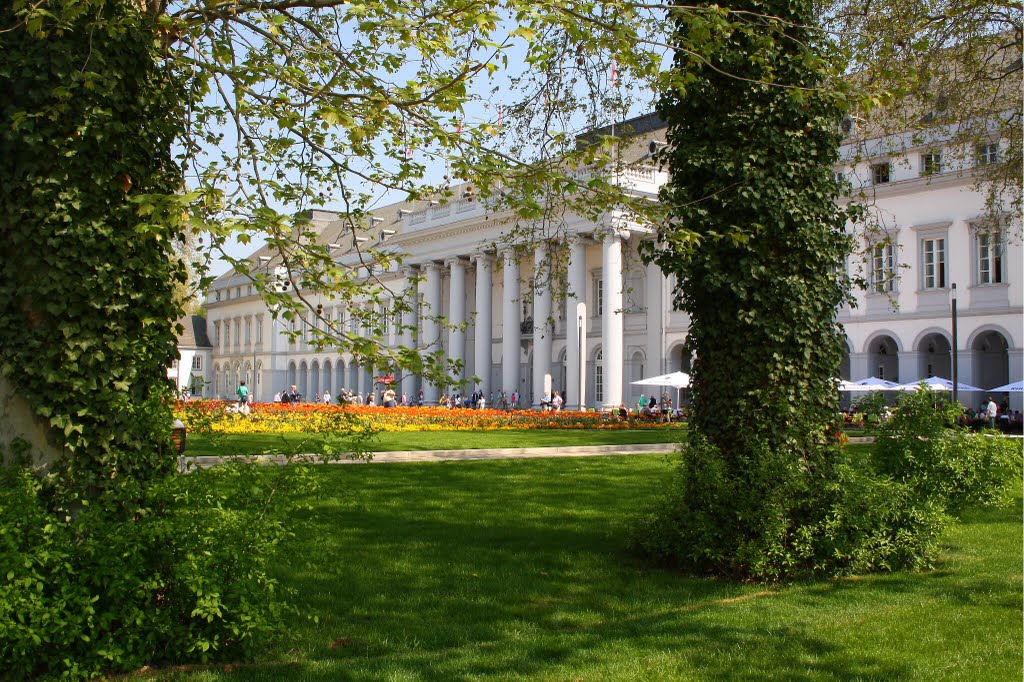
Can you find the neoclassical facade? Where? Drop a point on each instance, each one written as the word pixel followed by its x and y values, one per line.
pixel 612 322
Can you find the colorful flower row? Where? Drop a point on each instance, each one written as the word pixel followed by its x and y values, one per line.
pixel 222 417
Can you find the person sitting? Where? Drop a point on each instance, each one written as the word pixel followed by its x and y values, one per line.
pixel 623 413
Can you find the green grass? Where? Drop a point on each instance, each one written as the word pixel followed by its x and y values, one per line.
pixel 519 569
pixel 259 443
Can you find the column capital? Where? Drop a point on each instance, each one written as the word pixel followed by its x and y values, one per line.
pixel 508 255
pixel 409 271
pixel 482 257
pixel 606 232
pixel 431 265
pixel 453 261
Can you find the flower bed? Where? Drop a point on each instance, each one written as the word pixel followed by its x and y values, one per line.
pixel 217 417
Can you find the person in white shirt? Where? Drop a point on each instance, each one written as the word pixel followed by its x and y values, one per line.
pixel 991 412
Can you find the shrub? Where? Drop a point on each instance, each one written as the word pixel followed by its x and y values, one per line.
pixel 881 510
pixel 183 577
pixel 923 446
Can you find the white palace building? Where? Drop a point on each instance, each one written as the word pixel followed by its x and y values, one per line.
pixel 936 238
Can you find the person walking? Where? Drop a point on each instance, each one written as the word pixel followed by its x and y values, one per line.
pixel 243 397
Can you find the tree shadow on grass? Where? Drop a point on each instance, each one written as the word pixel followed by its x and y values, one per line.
pixel 491 571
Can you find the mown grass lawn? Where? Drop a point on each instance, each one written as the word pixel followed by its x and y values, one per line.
pixel 390 441
pixel 519 569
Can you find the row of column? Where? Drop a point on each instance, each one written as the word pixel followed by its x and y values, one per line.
pixel 430 276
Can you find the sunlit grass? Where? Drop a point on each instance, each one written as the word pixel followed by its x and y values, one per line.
pixel 520 569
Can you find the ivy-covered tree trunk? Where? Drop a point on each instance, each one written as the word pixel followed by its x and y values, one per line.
pixel 87 123
pixel 752 140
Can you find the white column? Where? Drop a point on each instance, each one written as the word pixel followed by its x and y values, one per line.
pixel 909 366
pixel 655 317
pixel 543 329
pixel 407 332
pixel 859 366
pixel 431 340
pixel 611 318
pixel 1015 358
pixel 576 321
pixel 484 320
pixel 457 312
pixel 510 332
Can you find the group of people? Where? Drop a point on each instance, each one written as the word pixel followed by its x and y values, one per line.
pixel 651 408
pixel 993 416
pixel 551 402
pixel 287 396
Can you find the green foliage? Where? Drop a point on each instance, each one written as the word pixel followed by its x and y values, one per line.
pixel 108 559
pixel 878 509
pixel 85 321
pixel 873 406
pixel 923 447
pixel 188 578
pixel 751 142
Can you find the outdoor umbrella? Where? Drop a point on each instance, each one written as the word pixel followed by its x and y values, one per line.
pixel 1015 387
pixel 868 384
pixel 936 384
pixel 677 380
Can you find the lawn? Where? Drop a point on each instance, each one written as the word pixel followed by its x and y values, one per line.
pixel 519 569
pixel 390 441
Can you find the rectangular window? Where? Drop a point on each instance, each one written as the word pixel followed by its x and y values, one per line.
pixel 197 363
pixel 931 163
pixel 883 268
pixel 881 173
pixel 259 330
pixel 599 297
pixel 987 153
pixel 990 257
pixel 934 263
pixel 248 332
pixel 598 381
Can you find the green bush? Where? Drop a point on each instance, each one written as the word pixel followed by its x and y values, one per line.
pixel 923 446
pixel 877 510
pixel 183 577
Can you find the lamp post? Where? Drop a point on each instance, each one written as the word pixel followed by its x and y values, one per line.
pixel 579 325
pixel 955 365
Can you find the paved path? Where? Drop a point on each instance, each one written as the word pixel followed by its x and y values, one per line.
pixel 465 455
pixel 489 453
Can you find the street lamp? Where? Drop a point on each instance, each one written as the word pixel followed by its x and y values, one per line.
pixel 581 325
pixel 955 366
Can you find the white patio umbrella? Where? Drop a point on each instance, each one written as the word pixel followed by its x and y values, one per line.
pixel 1015 387
pixel 868 384
pixel 937 384
pixel 673 379
pixel 677 380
